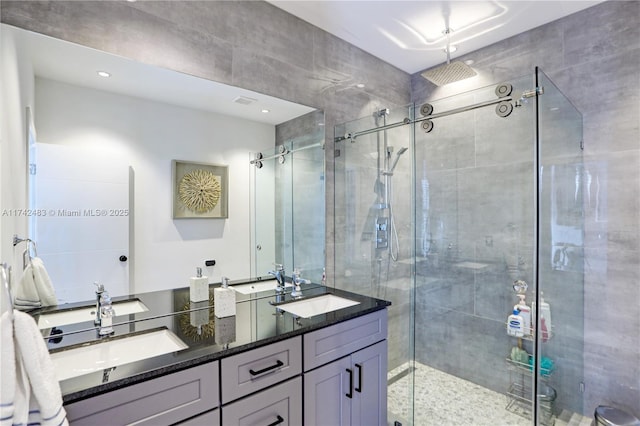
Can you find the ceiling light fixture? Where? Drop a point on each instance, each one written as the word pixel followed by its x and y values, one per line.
pixel 265 111
pixel 104 74
pixel 360 85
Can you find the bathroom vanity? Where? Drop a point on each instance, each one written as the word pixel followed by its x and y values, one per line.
pixel 262 366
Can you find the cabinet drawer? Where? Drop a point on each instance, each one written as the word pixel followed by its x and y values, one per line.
pixel 210 418
pixel 330 343
pixel 165 400
pixel 251 371
pixel 278 405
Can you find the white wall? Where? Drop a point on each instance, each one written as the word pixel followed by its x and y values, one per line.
pixel 149 135
pixel 15 96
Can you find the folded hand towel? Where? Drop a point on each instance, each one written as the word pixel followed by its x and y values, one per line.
pixel 43 283
pixel 35 288
pixel 8 368
pixel 27 294
pixel 43 389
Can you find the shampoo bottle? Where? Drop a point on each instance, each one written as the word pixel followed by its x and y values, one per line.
pixel 198 287
pixel 515 326
pixel 545 312
pixel 224 300
pixel 525 313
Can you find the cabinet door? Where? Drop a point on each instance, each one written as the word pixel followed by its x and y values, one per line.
pixel 325 394
pixel 369 405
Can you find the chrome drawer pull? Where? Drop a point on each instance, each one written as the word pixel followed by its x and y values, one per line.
pixel 264 370
pixel 277 422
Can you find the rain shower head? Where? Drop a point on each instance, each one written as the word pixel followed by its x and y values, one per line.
pixel 451 71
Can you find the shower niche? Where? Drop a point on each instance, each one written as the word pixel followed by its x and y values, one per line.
pixel 490 191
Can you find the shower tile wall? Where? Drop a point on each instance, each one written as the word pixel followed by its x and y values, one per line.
pixel 594 57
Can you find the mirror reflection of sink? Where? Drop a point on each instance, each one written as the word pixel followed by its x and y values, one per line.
pixel 100 355
pixel 87 313
pixel 257 287
pixel 307 308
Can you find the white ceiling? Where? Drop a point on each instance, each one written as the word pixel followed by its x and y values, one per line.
pixel 409 34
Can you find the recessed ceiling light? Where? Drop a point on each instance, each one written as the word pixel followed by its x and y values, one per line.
pixel 360 85
pixel 265 111
pixel 104 74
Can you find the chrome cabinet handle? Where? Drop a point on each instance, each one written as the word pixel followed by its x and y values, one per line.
pixel 264 370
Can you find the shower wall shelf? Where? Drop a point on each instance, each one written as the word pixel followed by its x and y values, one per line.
pixel 520 391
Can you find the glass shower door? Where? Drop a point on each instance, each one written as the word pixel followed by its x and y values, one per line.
pixel 374 232
pixel 565 188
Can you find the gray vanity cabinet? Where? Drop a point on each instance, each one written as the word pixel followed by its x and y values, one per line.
pixel 165 400
pixel 278 405
pixel 349 391
pixel 345 379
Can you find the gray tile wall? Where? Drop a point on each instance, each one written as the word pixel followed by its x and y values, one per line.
pixel 594 57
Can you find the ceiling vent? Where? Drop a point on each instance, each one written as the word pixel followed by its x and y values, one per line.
pixel 243 100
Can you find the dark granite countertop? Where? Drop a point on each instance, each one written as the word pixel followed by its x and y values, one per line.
pixel 257 322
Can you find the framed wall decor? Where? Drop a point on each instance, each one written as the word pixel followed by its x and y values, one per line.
pixel 200 190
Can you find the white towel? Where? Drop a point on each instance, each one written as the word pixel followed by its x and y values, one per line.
pixel 43 283
pixel 35 288
pixel 37 398
pixel 27 294
pixel 8 369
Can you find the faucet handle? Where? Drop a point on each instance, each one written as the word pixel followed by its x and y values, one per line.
pixel 100 287
pixel 279 266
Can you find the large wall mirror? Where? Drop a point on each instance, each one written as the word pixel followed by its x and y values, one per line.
pixel 102 182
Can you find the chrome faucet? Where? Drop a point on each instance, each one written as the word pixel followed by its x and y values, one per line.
pixel 279 274
pixel 99 291
pixel 104 311
pixel 106 315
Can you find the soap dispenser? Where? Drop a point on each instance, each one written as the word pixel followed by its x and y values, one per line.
pixel 224 300
pixel 525 313
pixel 198 287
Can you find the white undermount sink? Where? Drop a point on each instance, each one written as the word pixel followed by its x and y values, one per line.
pixel 307 308
pixel 100 355
pixel 257 287
pixel 88 313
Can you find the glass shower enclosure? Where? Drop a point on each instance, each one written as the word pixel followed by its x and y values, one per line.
pixel 457 210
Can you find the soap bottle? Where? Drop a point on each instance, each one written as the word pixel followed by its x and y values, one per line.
pixel 525 313
pixel 224 300
pixel 515 326
pixel 545 311
pixel 198 287
pixel 545 317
